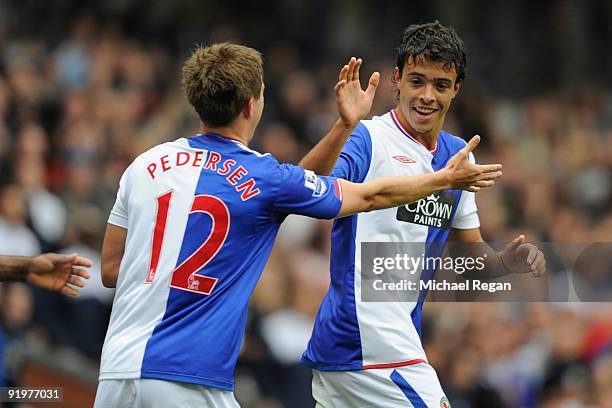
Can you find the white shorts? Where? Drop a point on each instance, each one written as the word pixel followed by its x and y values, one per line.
pixel 149 393
pixel 415 385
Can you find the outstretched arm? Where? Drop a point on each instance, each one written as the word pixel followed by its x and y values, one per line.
pixel 387 192
pixel 353 105
pixel 48 271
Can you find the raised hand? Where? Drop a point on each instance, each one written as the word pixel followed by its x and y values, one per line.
pixel 353 102
pixel 468 176
pixel 521 257
pixel 54 272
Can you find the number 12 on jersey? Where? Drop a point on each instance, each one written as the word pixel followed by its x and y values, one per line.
pixel 184 276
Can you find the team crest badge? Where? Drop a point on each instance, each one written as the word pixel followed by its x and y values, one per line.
pixel 444 403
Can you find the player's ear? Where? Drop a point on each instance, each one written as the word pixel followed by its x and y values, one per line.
pixel 396 76
pixel 249 108
pixel 456 88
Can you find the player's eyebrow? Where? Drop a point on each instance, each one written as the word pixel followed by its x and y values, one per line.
pixel 439 79
pixel 416 74
pixel 444 80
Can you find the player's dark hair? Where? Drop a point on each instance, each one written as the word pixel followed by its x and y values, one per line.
pixel 219 80
pixel 434 42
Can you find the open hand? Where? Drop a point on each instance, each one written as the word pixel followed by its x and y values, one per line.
pixel 522 257
pixel 465 175
pixel 54 272
pixel 353 102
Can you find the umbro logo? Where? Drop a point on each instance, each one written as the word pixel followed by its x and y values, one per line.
pixel 404 159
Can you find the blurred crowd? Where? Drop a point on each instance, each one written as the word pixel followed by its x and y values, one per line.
pixel 75 109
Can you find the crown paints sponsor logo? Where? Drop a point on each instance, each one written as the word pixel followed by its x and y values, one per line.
pixel 435 210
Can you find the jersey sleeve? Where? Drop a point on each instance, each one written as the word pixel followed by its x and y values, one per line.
pixel 119 213
pixel 356 156
pixel 302 192
pixel 467 213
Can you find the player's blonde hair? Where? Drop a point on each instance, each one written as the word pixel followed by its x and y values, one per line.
pixel 219 80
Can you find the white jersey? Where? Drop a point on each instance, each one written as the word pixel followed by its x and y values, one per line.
pixel 201 216
pixel 351 334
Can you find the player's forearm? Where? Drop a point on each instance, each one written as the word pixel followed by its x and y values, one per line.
pixel 493 265
pixel 400 190
pixel 322 158
pixel 112 254
pixel 389 192
pixel 110 270
pixel 14 268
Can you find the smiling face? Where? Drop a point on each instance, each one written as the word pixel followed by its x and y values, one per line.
pixel 426 90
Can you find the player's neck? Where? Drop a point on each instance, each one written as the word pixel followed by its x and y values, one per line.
pixel 429 139
pixel 227 132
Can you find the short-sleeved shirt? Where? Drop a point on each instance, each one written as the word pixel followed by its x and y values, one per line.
pixel 201 216
pixel 351 334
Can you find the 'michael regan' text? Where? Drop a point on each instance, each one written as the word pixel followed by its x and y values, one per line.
pixel 233 171
pixel 443 285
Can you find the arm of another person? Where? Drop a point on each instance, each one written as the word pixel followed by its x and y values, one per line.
pixel 386 192
pixel 353 105
pixel 112 253
pixel 48 271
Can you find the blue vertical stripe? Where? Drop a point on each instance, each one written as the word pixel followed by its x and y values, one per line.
pixel 335 343
pixel 408 391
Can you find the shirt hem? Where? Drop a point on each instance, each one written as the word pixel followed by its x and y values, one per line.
pixel 190 379
pixel 360 366
pixel 118 375
pixel 157 375
pixel 331 366
pixel 118 222
pixel 466 225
